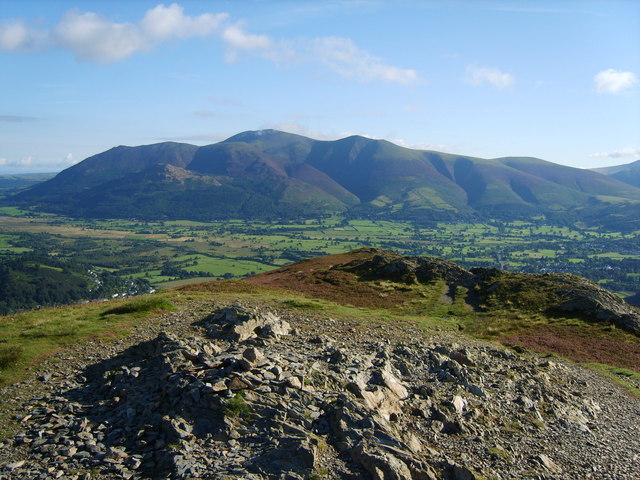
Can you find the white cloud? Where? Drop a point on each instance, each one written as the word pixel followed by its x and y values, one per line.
pixel 91 37
pixel 94 38
pixel 15 36
pixel 480 76
pixel 344 57
pixel 614 81
pixel 237 38
pixel 69 160
pixel 163 23
pixel 3 161
pixel 625 152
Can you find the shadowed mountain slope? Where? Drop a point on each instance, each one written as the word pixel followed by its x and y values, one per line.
pixel 628 173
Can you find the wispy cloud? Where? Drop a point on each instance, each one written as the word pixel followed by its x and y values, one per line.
pixel 238 39
pixel 480 76
pixel 624 152
pixel 96 39
pixel 16 118
pixel 343 56
pixel 614 81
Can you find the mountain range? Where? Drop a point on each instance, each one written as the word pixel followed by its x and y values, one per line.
pixel 272 174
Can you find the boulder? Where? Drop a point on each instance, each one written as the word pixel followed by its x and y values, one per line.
pixel 237 324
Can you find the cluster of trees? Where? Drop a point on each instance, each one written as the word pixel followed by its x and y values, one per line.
pixel 30 281
pixel 175 270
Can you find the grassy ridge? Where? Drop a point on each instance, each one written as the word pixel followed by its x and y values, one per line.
pixel 28 337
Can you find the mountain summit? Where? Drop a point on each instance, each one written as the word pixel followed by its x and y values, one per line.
pixel 273 174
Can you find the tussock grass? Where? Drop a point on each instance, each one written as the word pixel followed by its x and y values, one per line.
pixel 141 306
pixel 303 305
pixel 9 355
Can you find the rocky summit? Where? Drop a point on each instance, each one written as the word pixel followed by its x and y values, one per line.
pixel 238 391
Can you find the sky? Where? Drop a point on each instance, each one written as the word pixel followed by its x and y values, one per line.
pixel 557 80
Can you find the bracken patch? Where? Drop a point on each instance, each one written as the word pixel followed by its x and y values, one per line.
pixel 578 345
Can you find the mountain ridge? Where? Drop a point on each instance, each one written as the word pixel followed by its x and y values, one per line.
pixel 291 175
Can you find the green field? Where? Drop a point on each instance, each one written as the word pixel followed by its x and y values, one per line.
pixel 178 252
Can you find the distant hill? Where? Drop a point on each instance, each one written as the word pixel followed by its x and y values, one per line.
pixel 11 183
pixel 628 173
pixel 273 174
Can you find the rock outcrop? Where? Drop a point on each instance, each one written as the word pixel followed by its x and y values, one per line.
pixel 490 288
pixel 247 394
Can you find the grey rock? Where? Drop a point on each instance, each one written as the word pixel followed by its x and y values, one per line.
pixel 548 463
pixel 381 465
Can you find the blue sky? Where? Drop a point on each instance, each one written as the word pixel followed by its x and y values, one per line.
pixel 557 80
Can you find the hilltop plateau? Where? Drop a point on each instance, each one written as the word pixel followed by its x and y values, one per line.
pixel 271 174
pixel 365 365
